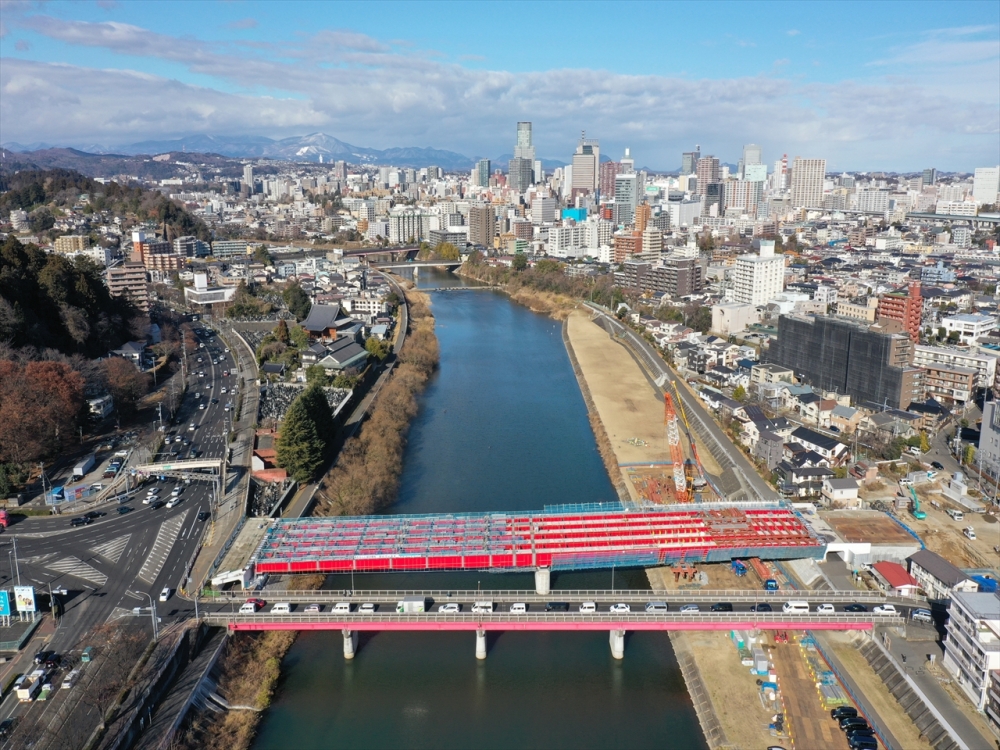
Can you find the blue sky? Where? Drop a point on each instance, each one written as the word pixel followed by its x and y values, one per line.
pixel 866 85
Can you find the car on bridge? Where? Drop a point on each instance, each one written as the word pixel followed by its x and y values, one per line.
pixel 619 609
pixel 366 609
pixel 450 609
pixel 689 609
pixel 884 609
pixel 313 609
pixel 762 607
pixel 825 609
pixel 855 608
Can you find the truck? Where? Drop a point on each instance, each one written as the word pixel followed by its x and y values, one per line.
pixel 739 568
pixel 412 605
pixel 30 686
pixel 4 519
pixel 770 585
pixel 84 465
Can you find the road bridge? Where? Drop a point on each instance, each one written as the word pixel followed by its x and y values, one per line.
pixel 418 264
pixel 560 538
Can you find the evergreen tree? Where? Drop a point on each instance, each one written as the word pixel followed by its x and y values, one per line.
pixel 300 447
pixel 319 409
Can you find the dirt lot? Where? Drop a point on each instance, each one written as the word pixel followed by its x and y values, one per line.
pixel 627 404
pixel 875 691
pixel 866 526
pixel 720 577
pixel 811 726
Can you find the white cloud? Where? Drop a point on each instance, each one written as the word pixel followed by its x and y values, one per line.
pixel 373 94
pixel 793 32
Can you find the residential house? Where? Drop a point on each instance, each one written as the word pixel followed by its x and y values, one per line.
pixel 937 577
pixel 801 481
pixel 321 322
pixel 829 448
pixel 893 577
pixel 343 354
pixel 771 373
pixel 845 418
pixel 768 448
pixel 133 351
pixel 841 493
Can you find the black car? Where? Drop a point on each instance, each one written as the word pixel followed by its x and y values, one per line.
pixel 855 608
pixel 843 712
pixel 95 514
pixel 204 515
pixel 53 661
pixel 157 504
pixel 862 743
pixel 81 521
pixel 722 607
pixel 124 509
pixel 937 465
pixel 866 732
pixel 42 656
pixel 557 607
pixel 762 607
pixel 7 727
pixel 850 723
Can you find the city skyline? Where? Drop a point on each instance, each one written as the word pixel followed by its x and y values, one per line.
pixel 806 83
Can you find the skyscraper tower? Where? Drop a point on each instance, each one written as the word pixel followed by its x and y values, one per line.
pixel 689 160
pixel 524 149
pixel 585 165
pixel 807 182
pixel 627 163
pixel 482 173
pixel 248 177
pixel 751 155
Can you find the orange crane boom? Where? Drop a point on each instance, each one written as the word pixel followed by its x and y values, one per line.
pixel 676 452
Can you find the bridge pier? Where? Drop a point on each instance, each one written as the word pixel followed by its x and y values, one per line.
pixel 350 643
pixel 617 639
pixel 543 576
pixel 480 644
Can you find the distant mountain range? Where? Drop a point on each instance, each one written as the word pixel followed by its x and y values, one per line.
pixel 297 148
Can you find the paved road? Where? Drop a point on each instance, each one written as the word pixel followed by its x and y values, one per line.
pixel 110 566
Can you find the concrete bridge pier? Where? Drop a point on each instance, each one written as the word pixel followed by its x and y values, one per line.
pixel 350 643
pixel 617 638
pixel 480 644
pixel 542 578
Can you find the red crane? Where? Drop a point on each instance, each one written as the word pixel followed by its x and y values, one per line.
pixel 676 452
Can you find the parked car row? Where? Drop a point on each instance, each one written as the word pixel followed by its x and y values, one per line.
pixel 860 735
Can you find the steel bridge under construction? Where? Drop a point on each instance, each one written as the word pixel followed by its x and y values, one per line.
pixel 549 540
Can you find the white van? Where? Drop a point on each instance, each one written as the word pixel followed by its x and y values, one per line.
pixel 969 532
pixel 956 515
pixel 341 608
pixel 482 608
pixel 281 608
pixel 248 608
pixel 795 608
pixel 519 608
pixel 655 608
pixel 588 608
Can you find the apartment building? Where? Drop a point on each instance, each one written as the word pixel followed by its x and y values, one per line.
pixel 905 308
pixel 129 281
pixel 970 327
pixel 757 279
pixel 972 647
pixel 71 243
pixel 950 385
pixel 865 311
pixel 950 356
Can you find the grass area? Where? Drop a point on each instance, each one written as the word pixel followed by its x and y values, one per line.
pixel 877 693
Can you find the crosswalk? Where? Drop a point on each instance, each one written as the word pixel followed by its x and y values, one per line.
pixel 74 566
pixel 112 550
pixel 37 559
pixel 165 539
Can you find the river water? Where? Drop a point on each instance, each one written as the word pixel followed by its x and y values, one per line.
pixel 502 427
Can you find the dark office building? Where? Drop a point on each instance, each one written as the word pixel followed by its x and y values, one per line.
pixel 845 356
pixel 675 277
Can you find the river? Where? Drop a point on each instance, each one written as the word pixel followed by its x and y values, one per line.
pixel 503 426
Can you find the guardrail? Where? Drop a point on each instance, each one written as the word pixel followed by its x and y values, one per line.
pixel 603 619
pixel 742 596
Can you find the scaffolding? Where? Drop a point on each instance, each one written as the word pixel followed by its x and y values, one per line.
pixel 524 541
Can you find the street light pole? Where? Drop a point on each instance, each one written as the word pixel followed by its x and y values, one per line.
pixel 152 613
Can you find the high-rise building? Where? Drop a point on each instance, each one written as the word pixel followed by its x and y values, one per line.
pixel 482 224
pixel 71 243
pixel 849 357
pixel 524 149
pixel 129 280
pixel 248 178
pixel 708 173
pixel 627 163
pixel 543 210
pixel 609 170
pixel 873 200
pixel 689 160
pixel 986 185
pixel 625 198
pixel 751 155
pixel 585 165
pixel 520 173
pixel 643 212
pixel 807 182
pixel 929 176
pixel 340 171
pixel 483 173
pixel 755 172
pixel 905 308
pixel 759 278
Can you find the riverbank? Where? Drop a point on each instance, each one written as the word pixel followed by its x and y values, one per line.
pixel 553 303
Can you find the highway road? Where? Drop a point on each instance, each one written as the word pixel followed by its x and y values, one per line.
pixel 110 566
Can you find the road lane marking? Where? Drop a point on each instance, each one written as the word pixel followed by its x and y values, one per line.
pixel 113 549
pixel 165 539
pixel 74 566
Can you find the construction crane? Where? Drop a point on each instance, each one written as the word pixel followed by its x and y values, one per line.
pixel 701 479
pixel 676 452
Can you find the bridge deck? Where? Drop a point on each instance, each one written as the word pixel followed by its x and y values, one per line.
pixel 503 541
